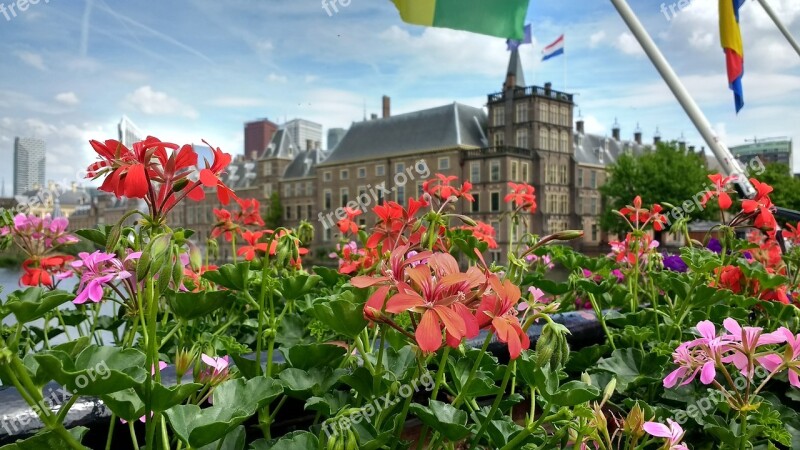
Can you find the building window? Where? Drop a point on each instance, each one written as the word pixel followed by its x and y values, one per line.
pixel 379 188
pixel 327 234
pixel 554 140
pixel 514 171
pixel 594 206
pixel 594 232
pixel 309 210
pixel 563 174
pixel 298 189
pixel 444 163
pixel 475 172
pixel 580 178
pixel 344 174
pixel 525 173
pixel 544 138
pixel 494 169
pixel 497 230
pixel 522 138
pixel 564 142
pixel 420 189
pixel 380 170
pixel 593 180
pixel 327 176
pixel 300 212
pixel 564 205
pixel 362 172
pixel 499 139
pixel 267 169
pixel 499 116
pixel 495 201
pixel 344 196
pixel 399 168
pixel 401 195
pixel 554 114
pixel 476 205
pixel 328 199
pixel 543 112
pixel 288 213
pixel 268 190
pixel 522 112
pixel 565 116
pixel 309 188
pixel 579 206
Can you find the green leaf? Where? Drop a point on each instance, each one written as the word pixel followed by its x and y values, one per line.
pixel 46 439
pixel 235 401
pixel 235 440
pixel 341 314
pixel 230 276
pixel 574 393
pixel 632 367
pixel 444 418
pixel 194 305
pixel 96 370
pixel 309 356
pixel 315 382
pixel 126 404
pixel 165 398
pixel 98 236
pixel 297 286
pixel 296 440
pixel 330 277
pixel 33 303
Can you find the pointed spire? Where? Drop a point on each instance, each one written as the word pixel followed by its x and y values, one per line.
pixel 515 76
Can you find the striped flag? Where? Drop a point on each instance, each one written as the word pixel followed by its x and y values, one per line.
pixel 501 18
pixel 731 37
pixel 554 49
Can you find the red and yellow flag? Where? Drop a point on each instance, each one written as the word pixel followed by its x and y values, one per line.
pixel 731 37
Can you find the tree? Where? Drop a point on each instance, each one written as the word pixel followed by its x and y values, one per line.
pixel 664 175
pixel 274 217
pixel 786 193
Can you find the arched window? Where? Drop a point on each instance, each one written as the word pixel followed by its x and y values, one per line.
pixel 554 140
pixel 564 142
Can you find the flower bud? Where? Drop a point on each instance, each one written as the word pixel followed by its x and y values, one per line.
pixel 586 378
pixel 184 362
pixel 552 346
pixel 609 390
pixel 568 235
pixel 634 423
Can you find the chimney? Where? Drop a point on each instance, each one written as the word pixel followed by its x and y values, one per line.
pixel 637 135
pixel 74 186
pixel 579 125
pixel 691 148
pixel 548 88
pixel 682 143
pixel 657 137
pixel 374 116
pixel 254 155
pixel 616 132
pixel 387 107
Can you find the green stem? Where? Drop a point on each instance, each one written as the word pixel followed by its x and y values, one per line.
pixel 151 423
pixel 496 404
pixel 602 319
pixel 474 370
pixel 436 385
pixel 111 427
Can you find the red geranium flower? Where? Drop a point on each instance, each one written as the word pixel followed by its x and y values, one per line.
pixel 720 185
pixel 209 177
pixel 499 311
pixel 523 196
pixel 484 233
pixel 393 221
pixel 440 188
pixel 348 225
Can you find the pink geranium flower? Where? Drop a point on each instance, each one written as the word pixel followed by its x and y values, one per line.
pixel 97 269
pixel 672 433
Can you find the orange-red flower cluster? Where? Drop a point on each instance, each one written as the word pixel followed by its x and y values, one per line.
pixel 523 196
pixel 641 217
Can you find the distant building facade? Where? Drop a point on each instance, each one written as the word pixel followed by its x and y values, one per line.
pixel 128 133
pixel 777 150
pixel 29 164
pixel 257 136
pixel 303 134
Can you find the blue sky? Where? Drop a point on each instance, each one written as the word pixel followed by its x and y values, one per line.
pixel 186 70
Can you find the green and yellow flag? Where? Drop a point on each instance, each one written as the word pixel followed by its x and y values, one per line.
pixel 501 18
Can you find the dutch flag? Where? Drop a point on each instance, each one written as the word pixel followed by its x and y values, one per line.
pixel 554 49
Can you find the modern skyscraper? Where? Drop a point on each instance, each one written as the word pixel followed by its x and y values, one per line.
pixel 304 134
pixel 129 132
pixel 29 164
pixel 335 136
pixel 257 136
pixel 768 150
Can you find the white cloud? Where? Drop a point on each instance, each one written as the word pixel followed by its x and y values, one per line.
pixel 68 98
pixel 701 40
pixel 628 45
pixel 264 46
pixel 593 125
pixel 275 78
pixel 151 102
pixel 597 38
pixel 311 78
pixel 34 60
pixel 236 102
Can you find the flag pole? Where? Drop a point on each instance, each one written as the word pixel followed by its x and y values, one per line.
pixel 565 62
pixel 726 159
pixel 780 25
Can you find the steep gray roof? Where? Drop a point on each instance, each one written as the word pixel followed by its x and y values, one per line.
pixel 302 166
pixel 281 146
pixel 240 174
pixel 445 127
pixel 603 150
pixel 515 68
